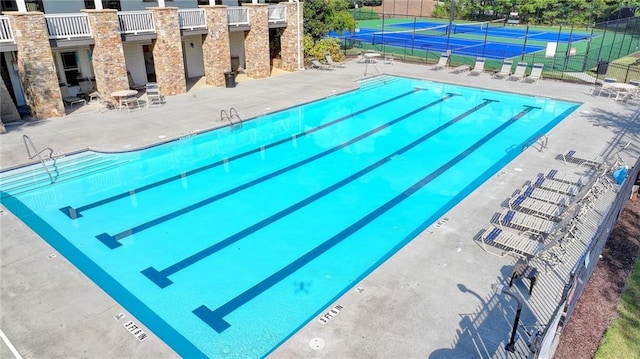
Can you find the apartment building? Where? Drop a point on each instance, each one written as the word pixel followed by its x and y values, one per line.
pixel 46 44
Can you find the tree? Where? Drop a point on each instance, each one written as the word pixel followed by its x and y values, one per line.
pixel 323 16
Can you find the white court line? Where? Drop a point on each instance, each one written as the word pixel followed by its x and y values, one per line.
pixel 11 347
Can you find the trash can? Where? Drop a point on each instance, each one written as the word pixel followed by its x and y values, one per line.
pixel 230 79
pixel 602 67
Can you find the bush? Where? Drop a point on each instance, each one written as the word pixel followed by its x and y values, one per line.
pixel 317 50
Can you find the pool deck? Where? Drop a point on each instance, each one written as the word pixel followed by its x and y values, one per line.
pixel 432 299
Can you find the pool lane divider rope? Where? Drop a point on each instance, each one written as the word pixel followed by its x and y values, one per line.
pixel 161 279
pixel 75 213
pixel 114 241
pixel 215 318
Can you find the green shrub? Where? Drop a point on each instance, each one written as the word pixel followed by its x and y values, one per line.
pixel 317 50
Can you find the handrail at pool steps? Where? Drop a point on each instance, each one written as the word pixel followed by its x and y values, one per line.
pixel 28 144
pixel 229 116
pixel 234 114
pixel 544 141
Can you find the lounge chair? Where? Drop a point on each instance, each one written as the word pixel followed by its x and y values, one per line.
pixel 556 186
pixel 535 75
pixel 315 64
pixel 330 61
pixel 360 58
pixel 546 195
pixel 88 90
pixel 68 99
pixel 510 242
pixel 536 207
pixel 388 59
pixel 572 157
pixel 505 71
pixel 133 85
pixel 478 68
pixel 460 69
pixel 519 73
pixel 526 222
pixel 564 177
pixel 442 63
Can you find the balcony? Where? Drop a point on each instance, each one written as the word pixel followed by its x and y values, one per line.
pixel 238 18
pixel 6 35
pixel 136 22
pixel 67 26
pixel 191 19
pixel 277 15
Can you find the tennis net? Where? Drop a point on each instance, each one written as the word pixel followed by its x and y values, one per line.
pixel 380 37
pixel 478 26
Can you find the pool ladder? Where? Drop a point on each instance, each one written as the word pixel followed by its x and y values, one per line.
pixel 28 144
pixel 230 116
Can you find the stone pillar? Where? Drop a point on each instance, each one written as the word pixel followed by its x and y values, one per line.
pixel 36 66
pixel 256 42
pixel 292 39
pixel 215 46
pixel 167 51
pixel 107 57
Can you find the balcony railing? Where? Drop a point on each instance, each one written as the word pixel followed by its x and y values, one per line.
pixel 135 22
pixel 67 26
pixel 6 35
pixel 237 16
pixel 277 13
pixel 192 19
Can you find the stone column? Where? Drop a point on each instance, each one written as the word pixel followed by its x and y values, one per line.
pixel 215 46
pixel 256 42
pixel 292 39
pixel 36 66
pixel 167 51
pixel 107 57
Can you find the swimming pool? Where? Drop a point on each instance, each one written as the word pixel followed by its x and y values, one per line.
pixel 225 243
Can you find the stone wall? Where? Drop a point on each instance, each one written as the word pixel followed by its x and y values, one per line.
pixel 107 57
pixel 36 66
pixel 167 51
pixel 215 45
pixel 256 42
pixel 291 41
pixel 408 7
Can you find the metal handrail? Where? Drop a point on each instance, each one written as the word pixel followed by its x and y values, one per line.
pixel 225 116
pixel 234 114
pixel 28 143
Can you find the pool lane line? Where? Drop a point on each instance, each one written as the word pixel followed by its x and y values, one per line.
pixel 215 318
pixel 160 278
pixel 75 213
pixel 113 241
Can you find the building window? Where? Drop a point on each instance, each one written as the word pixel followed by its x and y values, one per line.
pixel 12 5
pixel 70 67
pixel 107 4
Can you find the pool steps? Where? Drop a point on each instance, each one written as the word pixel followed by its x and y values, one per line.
pixel 377 81
pixel 61 168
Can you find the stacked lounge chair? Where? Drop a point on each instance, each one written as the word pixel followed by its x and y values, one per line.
pixel 526 222
pixel 511 242
pixel 556 186
pixel 536 207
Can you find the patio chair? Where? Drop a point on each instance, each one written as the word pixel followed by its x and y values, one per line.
pixel 593 161
pixel 519 73
pixel 88 90
pixel 460 69
pixel 526 222
pixel 510 242
pixel 536 207
pixel 546 195
pixel 133 85
pixel 68 99
pixel 556 186
pixel 564 177
pixel 388 59
pixel 442 63
pixel 315 64
pixel 360 58
pixel 505 70
pixel 153 95
pixel 330 61
pixel 535 75
pixel 478 68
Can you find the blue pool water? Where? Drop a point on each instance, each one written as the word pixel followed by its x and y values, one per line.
pixel 227 242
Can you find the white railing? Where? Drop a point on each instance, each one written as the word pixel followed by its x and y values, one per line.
pixel 192 18
pixel 6 35
pixel 277 13
pixel 134 22
pixel 67 26
pixel 237 16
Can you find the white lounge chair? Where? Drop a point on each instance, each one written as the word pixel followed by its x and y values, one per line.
pixel 519 73
pixel 87 88
pixel 315 64
pixel 510 242
pixel 478 68
pixel 388 59
pixel 330 61
pixel 505 70
pixel 526 222
pixel 153 95
pixel 564 177
pixel 571 156
pixel 442 63
pixel 546 195
pixel 535 75
pixel 536 207
pixel 556 186
pixel 68 99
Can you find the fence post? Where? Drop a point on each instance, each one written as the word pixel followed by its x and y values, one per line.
pixel 586 53
pixel 524 46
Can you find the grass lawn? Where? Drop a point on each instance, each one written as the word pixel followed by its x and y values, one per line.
pixel 622 339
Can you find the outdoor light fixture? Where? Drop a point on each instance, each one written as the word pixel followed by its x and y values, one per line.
pixel 510 347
